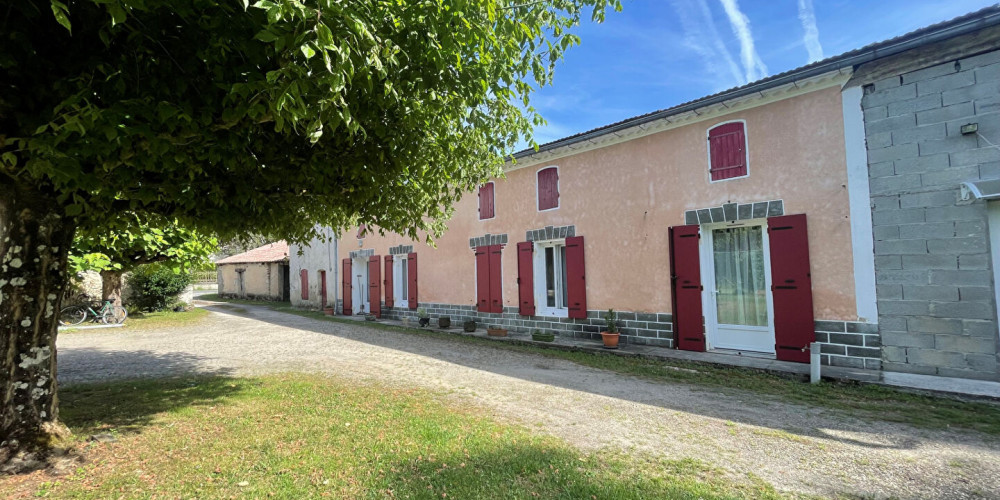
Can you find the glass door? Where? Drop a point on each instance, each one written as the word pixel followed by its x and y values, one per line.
pixel 740 291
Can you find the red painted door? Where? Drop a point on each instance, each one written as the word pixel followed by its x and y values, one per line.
pixel 389 299
pixel 483 279
pixel 791 287
pixel 375 285
pixel 525 279
pixel 576 282
pixel 304 284
pixel 322 289
pixel 496 279
pixel 411 264
pixel 685 288
pixel 345 281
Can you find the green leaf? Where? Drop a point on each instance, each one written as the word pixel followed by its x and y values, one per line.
pixel 307 51
pixel 61 12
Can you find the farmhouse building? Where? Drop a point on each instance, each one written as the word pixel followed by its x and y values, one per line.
pixel 844 202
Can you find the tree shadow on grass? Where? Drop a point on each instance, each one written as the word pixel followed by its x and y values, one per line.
pixel 126 407
pixel 534 470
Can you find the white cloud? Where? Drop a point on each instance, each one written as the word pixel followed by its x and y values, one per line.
pixel 752 64
pixel 701 36
pixel 807 15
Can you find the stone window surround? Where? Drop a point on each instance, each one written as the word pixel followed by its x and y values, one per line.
pixel 730 212
pixel 364 252
pixel 401 250
pixel 550 233
pixel 487 240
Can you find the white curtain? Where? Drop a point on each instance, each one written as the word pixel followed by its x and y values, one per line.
pixel 739 276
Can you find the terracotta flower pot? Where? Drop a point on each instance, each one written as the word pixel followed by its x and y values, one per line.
pixel 496 332
pixel 328 311
pixel 610 340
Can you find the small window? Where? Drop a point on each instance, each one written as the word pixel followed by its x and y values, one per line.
pixel 401 280
pixel 548 188
pixel 486 198
pixel 727 151
pixel 551 290
pixel 555 277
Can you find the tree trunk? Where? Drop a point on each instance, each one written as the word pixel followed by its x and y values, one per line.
pixel 34 242
pixel 111 287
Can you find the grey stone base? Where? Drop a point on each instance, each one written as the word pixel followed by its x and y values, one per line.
pixel 850 344
pixel 654 329
pixel 847 344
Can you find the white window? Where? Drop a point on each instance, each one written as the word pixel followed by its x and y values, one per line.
pixel 401 279
pixel 550 278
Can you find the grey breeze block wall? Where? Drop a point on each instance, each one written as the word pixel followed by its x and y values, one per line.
pixel 932 253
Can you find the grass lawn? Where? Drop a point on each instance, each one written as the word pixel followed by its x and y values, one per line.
pixel 297 436
pixel 863 400
pixel 152 320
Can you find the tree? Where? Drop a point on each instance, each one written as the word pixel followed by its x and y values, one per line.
pixel 130 240
pixel 230 118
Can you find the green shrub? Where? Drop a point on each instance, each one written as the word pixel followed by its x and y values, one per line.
pixel 154 287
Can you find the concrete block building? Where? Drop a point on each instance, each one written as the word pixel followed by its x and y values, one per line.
pixel 845 202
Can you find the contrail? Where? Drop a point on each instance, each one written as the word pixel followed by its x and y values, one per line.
pixel 807 15
pixel 752 63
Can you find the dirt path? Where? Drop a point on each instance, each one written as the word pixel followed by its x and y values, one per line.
pixel 796 448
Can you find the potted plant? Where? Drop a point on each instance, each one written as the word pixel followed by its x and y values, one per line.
pixel 328 310
pixel 543 337
pixel 444 321
pixel 369 317
pixel 496 331
pixel 469 326
pixel 611 335
pixel 425 319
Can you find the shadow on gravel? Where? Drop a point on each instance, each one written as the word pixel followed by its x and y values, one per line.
pixel 81 365
pixel 126 407
pixel 810 421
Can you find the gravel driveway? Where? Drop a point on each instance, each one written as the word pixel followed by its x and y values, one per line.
pixel 796 448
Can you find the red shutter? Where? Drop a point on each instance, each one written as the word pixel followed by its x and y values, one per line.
pixel 727 151
pixel 685 288
pixel 345 281
pixel 389 299
pixel 496 279
pixel 411 267
pixel 525 278
pixel 791 287
pixel 486 198
pixel 375 285
pixel 304 283
pixel 576 283
pixel 483 279
pixel 322 289
pixel 548 188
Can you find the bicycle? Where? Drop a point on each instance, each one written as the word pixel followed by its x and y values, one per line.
pixel 108 314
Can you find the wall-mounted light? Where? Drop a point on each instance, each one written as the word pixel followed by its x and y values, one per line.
pixel 970 128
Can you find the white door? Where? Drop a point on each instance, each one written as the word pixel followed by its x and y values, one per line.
pixel 738 282
pixel 359 286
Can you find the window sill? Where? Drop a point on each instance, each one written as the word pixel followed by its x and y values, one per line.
pixel 553 313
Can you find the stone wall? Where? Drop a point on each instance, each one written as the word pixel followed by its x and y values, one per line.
pixel 843 343
pixel 932 251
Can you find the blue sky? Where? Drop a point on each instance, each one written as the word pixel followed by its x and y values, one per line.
pixel 659 53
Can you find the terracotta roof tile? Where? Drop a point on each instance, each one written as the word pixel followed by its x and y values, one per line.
pixel 272 252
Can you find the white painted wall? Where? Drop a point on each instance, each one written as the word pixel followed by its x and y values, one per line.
pixel 859 195
pixel 317 255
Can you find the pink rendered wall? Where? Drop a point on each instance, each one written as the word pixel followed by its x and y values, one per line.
pixel 622 198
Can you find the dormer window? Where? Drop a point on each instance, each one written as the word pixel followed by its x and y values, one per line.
pixel 727 151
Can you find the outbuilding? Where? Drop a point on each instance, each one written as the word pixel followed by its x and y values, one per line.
pixel 261 273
